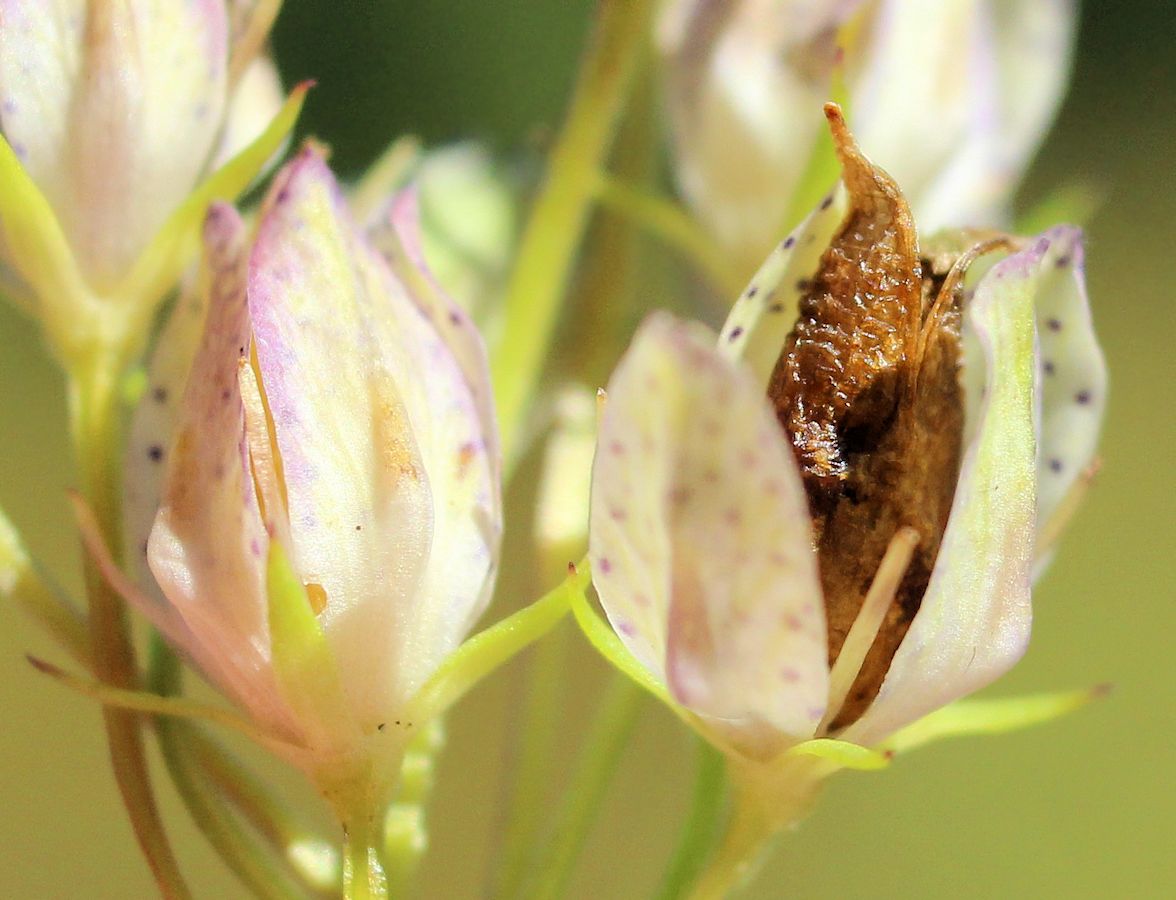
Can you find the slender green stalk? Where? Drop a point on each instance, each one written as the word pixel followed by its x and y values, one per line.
pixel 251 859
pixel 748 835
pixel 560 213
pixel 701 826
pixel 537 743
pixel 597 764
pixel 673 225
pixel 93 407
pixel 363 873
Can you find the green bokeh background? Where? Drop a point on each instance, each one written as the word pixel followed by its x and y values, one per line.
pixel 1084 807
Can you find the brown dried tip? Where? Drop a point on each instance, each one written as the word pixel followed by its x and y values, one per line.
pixel 867 391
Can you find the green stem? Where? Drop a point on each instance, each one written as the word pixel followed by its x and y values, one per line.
pixel 768 797
pixel 674 226
pixel 538 734
pixel 560 213
pixel 93 410
pixel 701 826
pixel 251 859
pixel 598 761
pixel 363 874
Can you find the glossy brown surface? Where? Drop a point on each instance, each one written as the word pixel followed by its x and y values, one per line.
pixel 867 390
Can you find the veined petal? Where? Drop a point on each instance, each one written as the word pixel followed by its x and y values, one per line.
pixel 380 441
pixel 208 547
pixel 699 537
pixel 112 108
pixel 974 620
pixel 766 311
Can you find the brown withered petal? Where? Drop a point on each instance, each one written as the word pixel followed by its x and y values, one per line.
pixel 867 390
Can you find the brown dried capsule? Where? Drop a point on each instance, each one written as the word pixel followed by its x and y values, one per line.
pixel 867 390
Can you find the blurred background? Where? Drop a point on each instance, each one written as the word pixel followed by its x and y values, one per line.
pixel 1084 807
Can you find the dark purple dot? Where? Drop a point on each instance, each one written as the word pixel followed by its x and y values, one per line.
pixel 626 628
pixel 1055 465
pixel 1062 262
pixel 283 196
pixel 753 290
pixel 735 332
pixel 827 202
pixel 803 285
pixel 1082 397
pixel 1054 324
pixel 226 394
pixel 454 317
pixel 776 308
pixel 1048 367
pixel 155 453
pixel 159 395
pixel 604 565
pixel 788 242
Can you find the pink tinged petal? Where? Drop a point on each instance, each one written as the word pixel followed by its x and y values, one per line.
pixel 208 547
pixel 708 575
pixel 387 469
pixel 113 108
pixel 974 620
pixel 1073 375
pixel 767 309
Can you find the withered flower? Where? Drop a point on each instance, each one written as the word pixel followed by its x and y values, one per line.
pixel 827 524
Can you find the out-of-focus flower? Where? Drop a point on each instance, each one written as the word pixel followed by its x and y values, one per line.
pixel 330 516
pixel 952 98
pixel 815 528
pixel 111 113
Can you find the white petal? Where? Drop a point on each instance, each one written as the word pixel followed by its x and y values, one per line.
pixel 385 461
pixel 113 108
pixel 256 99
pixel 1073 378
pixel 974 620
pixel 766 311
pixel 745 84
pixel 700 542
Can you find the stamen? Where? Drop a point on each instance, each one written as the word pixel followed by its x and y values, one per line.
pixel 869 619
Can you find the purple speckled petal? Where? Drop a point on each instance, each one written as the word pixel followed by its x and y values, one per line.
pixel 113 109
pixel 208 547
pixel 387 468
pixel 699 539
pixel 974 621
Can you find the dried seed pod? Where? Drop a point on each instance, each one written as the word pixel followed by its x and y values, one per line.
pixel 867 390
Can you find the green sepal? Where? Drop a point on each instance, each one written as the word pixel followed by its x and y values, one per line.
pixel 37 246
pixel 607 644
pixel 843 754
pixel 975 717
pixel 489 649
pixel 302 659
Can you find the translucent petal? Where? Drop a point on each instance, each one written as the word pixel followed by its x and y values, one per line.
pixel 113 109
pixel 699 537
pixel 974 620
pixel 384 457
pixel 207 550
pixel 254 103
pixel 766 311
pixel 745 83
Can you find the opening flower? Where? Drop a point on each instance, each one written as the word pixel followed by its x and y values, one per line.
pixel 822 526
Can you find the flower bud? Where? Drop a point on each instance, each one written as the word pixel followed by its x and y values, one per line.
pixel 952 98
